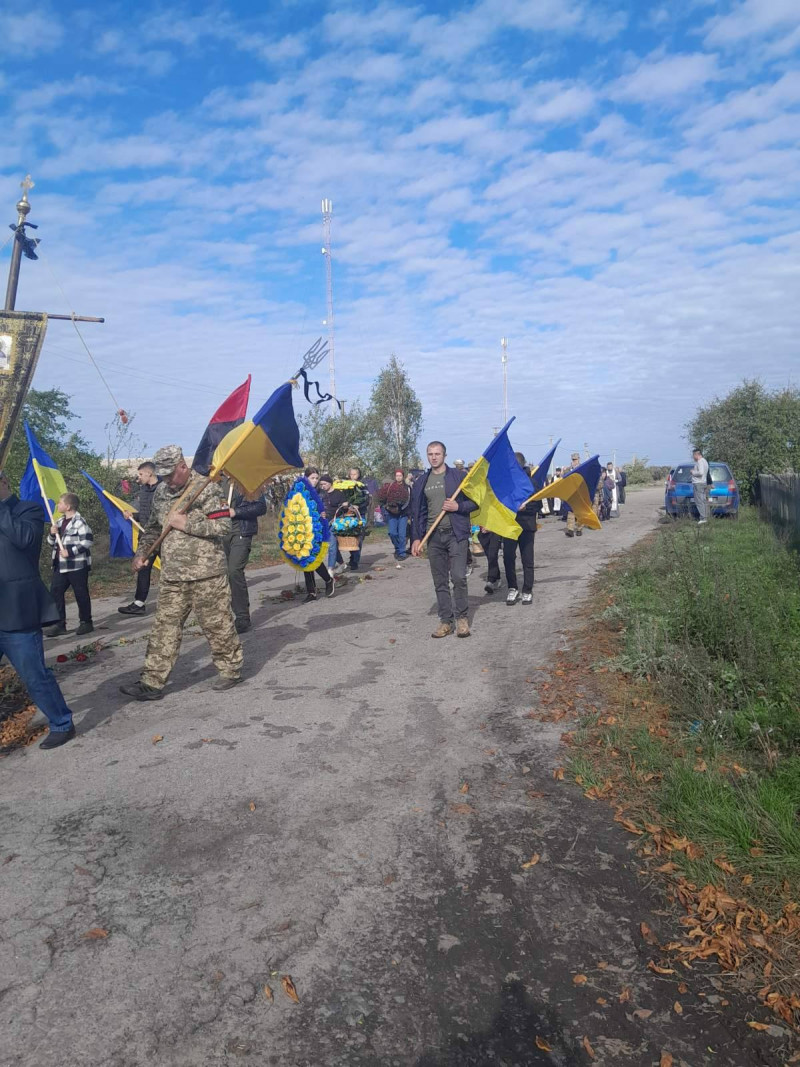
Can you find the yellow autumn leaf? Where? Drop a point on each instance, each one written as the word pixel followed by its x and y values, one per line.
pixel 580 979
pixel 268 994
pixel 156 738
pixel 542 1044
pixel 531 862
pixel 289 988
pixel 587 1045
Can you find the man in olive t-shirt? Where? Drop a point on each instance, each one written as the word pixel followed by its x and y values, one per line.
pixel 434 493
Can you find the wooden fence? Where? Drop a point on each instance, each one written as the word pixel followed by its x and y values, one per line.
pixel 779 497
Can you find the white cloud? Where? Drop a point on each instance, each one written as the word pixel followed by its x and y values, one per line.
pixel 30 32
pixel 752 18
pixel 663 78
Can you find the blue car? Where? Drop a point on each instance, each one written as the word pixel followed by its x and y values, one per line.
pixel 723 495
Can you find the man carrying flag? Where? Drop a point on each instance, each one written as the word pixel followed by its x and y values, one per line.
pixel 440 516
pixel 148 482
pixel 193 575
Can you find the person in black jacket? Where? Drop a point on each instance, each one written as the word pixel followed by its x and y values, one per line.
pixel 148 483
pixel 526 518
pixel 245 512
pixel 26 606
pixel 433 492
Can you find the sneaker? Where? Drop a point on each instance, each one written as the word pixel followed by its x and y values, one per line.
pixel 330 587
pixel 527 598
pixel 59 738
pixel 462 628
pixel 223 682
pixel 702 522
pixel 469 570
pixel 84 628
pixel 132 609
pixel 309 597
pixel 579 533
pixel 570 533
pixel 55 631
pixel 140 691
pixel 513 596
pixel 444 630
pixel 491 587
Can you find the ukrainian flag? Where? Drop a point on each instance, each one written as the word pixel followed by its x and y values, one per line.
pixel 578 489
pixel 540 472
pixel 499 486
pixel 42 480
pixel 266 445
pixel 124 533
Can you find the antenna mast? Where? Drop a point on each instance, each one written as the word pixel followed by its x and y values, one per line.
pixel 504 343
pixel 327 217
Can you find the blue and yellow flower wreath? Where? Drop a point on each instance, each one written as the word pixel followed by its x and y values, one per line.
pixel 303 535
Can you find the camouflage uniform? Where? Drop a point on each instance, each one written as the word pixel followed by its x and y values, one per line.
pixel 193 578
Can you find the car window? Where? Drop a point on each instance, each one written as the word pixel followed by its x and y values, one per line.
pixel 720 473
pixel 683 473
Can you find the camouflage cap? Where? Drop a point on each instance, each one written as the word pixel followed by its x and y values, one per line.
pixel 167 459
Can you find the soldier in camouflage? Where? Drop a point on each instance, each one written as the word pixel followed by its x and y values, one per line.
pixel 194 577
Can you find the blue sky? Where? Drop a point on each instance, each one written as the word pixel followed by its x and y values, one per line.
pixel 612 186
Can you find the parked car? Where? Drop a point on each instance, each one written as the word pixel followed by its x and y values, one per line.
pixel 723 493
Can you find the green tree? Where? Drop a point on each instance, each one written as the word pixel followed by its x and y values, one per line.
pixel 752 429
pixel 394 418
pixel 638 471
pixel 333 441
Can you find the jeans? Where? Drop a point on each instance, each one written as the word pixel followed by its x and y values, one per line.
pixel 525 544
pixel 701 500
pixel 333 552
pixel 24 651
pixel 490 543
pixel 397 533
pixel 355 558
pixel 448 560
pixel 237 551
pixel 143 582
pixel 79 581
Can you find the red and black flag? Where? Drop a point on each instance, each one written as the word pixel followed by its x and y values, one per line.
pixel 227 416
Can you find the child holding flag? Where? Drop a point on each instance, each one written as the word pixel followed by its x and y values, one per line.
pixel 71 540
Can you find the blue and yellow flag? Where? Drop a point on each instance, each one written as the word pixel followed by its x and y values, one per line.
pixel 42 479
pixel 577 488
pixel 266 445
pixel 124 533
pixel 540 472
pixel 499 486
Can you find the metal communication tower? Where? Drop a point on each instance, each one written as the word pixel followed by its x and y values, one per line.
pixel 327 217
pixel 504 343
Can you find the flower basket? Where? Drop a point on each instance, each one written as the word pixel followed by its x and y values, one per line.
pixel 348 526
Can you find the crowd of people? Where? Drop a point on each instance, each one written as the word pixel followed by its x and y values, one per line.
pixel 203 548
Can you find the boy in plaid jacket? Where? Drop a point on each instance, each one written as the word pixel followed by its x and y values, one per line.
pixel 71 564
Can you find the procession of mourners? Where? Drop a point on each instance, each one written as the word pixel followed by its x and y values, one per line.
pixel 197 531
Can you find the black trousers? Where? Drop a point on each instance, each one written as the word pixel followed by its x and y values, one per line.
pixel 310 577
pixel 143 582
pixel 490 543
pixel 237 551
pixel 525 544
pixel 78 581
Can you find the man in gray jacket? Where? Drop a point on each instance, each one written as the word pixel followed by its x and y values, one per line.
pixel 700 486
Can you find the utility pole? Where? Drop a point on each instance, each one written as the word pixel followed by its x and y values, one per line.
pixel 327 218
pixel 504 344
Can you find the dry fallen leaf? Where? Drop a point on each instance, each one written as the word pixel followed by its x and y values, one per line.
pixel 542 1044
pixel 96 933
pixel 666 1059
pixel 601 1000
pixel 625 995
pixel 677 1007
pixel 653 966
pixel 683 988
pixel 156 738
pixel 580 979
pixel 531 862
pixel 758 1026
pixel 252 805
pixel 648 934
pixel 642 1013
pixel 601 966
pixel 747 880
pixel 723 865
pixel 558 774
pixel 270 996
pixel 534 794
pixel 464 788
pixel 462 809
pixel 289 989
pixel 587 1045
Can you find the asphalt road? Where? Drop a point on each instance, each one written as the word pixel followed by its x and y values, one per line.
pixel 310 823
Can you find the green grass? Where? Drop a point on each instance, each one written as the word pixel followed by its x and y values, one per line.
pixel 710 619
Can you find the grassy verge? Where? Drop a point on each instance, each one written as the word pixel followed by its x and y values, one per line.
pixel 693 651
